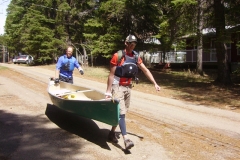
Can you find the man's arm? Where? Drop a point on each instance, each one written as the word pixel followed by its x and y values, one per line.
pixel 58 66
pixel 57 73
pixel 79 68
pixel 149 75
pixel 110 80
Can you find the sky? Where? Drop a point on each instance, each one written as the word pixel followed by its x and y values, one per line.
pixel 3 14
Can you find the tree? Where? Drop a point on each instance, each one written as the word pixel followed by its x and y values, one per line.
pixel 178 19
pixel 223 74
pixel 39 45
pixel 113 20
pixel 13 27
pixel 200 24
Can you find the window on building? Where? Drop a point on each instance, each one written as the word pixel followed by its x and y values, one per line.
pixel 213 55
pixel 228 45
pixel 213 40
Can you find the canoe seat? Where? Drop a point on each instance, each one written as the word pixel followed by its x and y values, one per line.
pixel 77 96
pixel 59 91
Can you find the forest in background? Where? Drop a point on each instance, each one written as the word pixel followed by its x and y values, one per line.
pixel 43 28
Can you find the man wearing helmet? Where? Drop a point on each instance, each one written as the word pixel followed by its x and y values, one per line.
pixel 119 84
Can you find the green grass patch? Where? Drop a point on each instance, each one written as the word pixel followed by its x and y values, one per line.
pixel 3 68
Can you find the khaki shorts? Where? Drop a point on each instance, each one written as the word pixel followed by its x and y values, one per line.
pixel 123 94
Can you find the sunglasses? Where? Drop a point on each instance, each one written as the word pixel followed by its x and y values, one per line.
pixel 134 43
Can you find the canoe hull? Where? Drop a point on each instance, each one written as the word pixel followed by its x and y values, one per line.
pixel 87 103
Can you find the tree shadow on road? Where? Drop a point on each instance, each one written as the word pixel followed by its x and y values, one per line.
pixel 10 133
pixel 23 136
pixel 83 127
pixel 27 137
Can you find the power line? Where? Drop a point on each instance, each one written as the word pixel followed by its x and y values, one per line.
pixel 3 1
pixel 80 14
pixel 39 5
pixel 58 10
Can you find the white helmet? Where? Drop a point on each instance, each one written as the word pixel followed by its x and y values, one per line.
pixel 131 38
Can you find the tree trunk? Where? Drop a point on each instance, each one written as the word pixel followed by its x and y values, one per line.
pixel 77 56
pixel 199 37
pixel 85 56
pixel 223 74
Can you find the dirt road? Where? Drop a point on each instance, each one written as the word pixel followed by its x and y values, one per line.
pixel 161 128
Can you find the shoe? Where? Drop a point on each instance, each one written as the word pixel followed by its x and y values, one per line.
pixel 128 144
pixel 112 137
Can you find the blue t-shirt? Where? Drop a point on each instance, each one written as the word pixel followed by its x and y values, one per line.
pixel 66 65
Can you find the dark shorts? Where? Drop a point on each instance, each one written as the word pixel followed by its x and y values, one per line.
pixel 65 79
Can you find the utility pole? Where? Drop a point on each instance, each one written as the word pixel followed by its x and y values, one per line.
pixel 3 53
pixel 1 50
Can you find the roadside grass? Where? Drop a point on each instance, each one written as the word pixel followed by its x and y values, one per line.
pixel 3 68
pixel 190 86
pixel 184 85
pixel 96 73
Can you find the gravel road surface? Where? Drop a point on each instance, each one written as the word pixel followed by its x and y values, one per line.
pixel 161 128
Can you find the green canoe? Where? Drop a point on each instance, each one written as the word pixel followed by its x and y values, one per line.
pixel 85 102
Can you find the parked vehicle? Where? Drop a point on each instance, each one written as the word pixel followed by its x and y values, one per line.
pixel 27 59
pixel 14 60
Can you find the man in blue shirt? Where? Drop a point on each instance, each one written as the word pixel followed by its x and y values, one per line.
pixel 65 66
